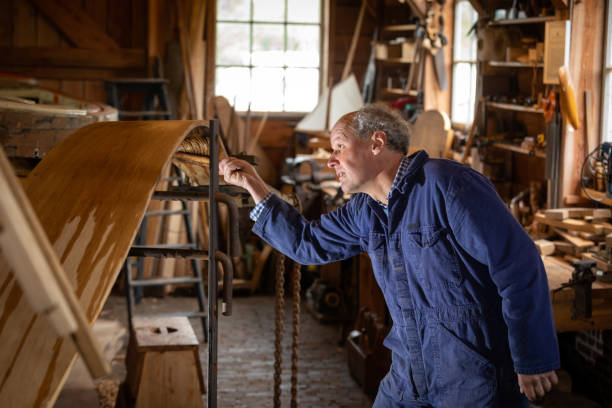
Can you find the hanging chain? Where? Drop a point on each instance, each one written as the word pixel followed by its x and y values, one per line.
pixel 278 333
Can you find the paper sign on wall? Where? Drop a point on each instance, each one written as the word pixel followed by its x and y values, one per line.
pixel 556 49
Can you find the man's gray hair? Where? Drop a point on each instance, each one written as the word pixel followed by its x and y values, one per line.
pixel 378 116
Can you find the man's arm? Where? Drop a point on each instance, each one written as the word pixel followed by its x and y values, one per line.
pixel 334 237
pixel 486 230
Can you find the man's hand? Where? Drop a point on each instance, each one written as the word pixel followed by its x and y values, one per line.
pixel 242 174
pixel 535 386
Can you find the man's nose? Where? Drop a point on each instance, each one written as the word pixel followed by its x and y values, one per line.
pixel 332 161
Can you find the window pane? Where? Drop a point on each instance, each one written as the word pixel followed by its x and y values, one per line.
pixel 607 109
pixel 268 44
pixel 234 84
pixel 465 45
pixel 304 11
pixel 302 46
pixel 232 44
pixel 268 10
pixel 267 89
pixel 233 10
pixel 464 88
pixel 301 89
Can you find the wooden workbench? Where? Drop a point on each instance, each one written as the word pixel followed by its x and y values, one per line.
pixel 560 272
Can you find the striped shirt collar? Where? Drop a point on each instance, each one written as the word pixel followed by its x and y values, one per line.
pixel 401 172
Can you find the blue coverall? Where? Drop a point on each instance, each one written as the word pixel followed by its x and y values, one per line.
pixel 463 282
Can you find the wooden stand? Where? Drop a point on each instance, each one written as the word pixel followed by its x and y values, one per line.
pixel 163 364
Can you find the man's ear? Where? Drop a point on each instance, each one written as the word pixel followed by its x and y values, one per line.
pixel 379 141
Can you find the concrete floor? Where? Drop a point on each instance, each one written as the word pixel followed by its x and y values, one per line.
pixel 246 355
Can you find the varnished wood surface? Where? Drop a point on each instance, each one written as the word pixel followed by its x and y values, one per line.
pixel 560 272
pixel 90 193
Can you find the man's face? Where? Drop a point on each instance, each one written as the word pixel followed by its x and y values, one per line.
pixel 350 158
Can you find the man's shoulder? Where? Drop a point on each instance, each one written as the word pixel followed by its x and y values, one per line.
pixel 444 167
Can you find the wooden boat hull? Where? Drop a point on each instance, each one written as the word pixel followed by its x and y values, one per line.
pixel 90 193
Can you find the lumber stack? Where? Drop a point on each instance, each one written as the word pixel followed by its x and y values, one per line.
pixel 576 234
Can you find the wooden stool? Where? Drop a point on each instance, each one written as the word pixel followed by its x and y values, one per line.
pixel 163 364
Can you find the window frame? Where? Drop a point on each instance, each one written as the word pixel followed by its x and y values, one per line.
pixel 323 24
pixel 606 94
pixel 473 64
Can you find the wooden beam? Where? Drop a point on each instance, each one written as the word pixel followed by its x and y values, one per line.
pixel 72 57
pixel 211 40
pixel 419 7
pixel 76 25
pixel 74 73
pixel 478 7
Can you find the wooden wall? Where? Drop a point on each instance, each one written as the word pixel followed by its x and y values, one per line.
pixel 586 60
pixel 73 46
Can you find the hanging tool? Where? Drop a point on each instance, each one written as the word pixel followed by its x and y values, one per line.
pixel 568 97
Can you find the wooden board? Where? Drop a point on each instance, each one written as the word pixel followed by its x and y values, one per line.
pixel 571 224
pixel 563 213
pixel 90 193
pixel 574 240
pixel 430 132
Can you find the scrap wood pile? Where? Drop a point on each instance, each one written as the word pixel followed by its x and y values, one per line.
pixel 576 234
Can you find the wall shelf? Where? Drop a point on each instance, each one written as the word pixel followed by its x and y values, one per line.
pixel 527 20
pixel 512 107
pixel 514 64
pixel 394 61
pixel 400 92
pixel 401 27
pixel 517 149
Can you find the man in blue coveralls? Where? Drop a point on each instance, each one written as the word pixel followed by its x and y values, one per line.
pixel 464 284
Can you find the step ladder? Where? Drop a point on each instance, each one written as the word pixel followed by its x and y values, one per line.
pixel 190 250
pixel 155 106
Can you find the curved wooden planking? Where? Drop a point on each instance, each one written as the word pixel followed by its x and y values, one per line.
pixel 90 193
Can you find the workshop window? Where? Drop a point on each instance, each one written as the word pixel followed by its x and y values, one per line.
pixel 607 94
pixel 464 64
pixel 269 54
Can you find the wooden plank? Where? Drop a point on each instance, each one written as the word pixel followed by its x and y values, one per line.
pixel 545 246
pixel 138 24
pixel 6 23
pixel 563 213
pixel 75 73
pixel 40 276
pixel 95 92
pixel 72 57
pixel 119 22
pixel 211 38
pixel 571 224
pixel 46 34
pixel 74 88
pixel 97 10
pixel 76 25
pixel 24 29
pixel 574 240
pixel 601 264
pixel 169 379
pixel 585 62
pixel 186 57
pixel 75 191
